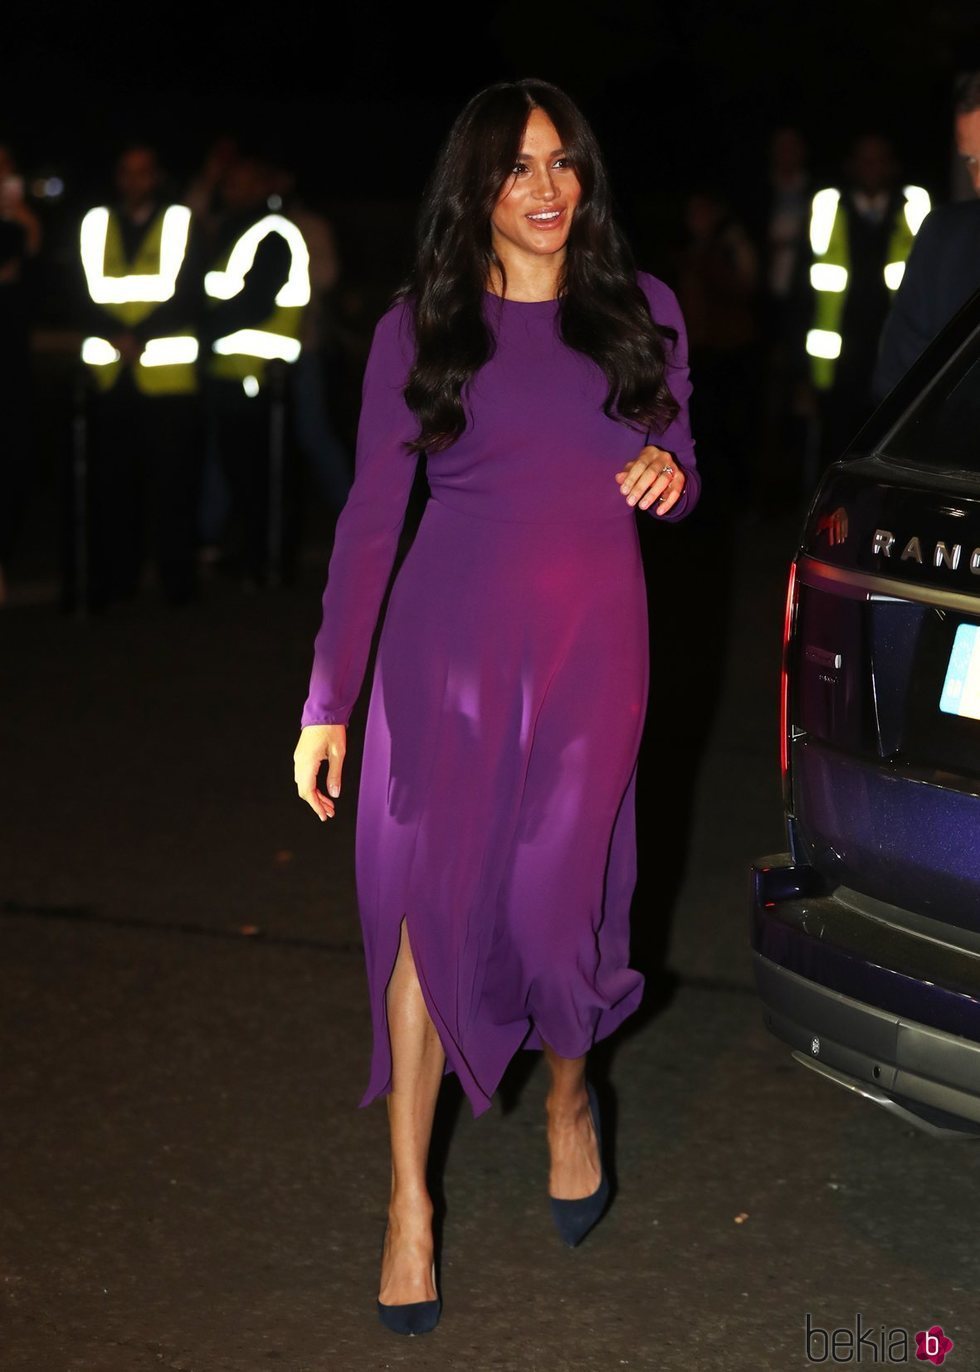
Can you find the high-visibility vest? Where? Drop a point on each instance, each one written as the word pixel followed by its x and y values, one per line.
pixel 130 291
pixel 243 355
pixel 830 271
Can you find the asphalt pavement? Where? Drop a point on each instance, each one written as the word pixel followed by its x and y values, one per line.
pixel 186 1179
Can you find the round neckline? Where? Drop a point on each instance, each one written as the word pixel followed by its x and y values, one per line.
pixel 507 300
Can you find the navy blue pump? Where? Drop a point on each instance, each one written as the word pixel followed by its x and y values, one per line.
pixel 574 1218
pixel 415 1317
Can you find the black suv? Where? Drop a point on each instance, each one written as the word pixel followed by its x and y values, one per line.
pixel 866 932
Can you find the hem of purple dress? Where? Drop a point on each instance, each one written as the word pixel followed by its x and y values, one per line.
pixel 480 1099
pixel 530 1039
pixel 608 1022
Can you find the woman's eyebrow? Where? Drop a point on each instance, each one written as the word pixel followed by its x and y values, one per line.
pixel 529 156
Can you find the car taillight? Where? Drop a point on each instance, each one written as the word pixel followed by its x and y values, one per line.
pixel 784 721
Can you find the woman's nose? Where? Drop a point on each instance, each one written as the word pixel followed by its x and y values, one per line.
pixel 544 185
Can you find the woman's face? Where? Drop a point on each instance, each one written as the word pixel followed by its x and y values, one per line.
pixel 534 210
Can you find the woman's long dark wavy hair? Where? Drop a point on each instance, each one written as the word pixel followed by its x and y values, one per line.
pixel 603 310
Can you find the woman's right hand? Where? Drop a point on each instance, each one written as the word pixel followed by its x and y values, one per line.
pixel 319 743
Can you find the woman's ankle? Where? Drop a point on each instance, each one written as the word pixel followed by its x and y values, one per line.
pixel 566 1106
pixel 410 1208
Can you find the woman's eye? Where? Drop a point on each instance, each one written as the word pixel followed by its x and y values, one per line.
pixel 520 167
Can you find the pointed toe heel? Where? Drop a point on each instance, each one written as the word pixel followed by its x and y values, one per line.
pixel 574 1218
pixel 417 1317
pixel 414 1317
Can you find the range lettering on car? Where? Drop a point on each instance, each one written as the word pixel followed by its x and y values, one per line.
pixel 943 554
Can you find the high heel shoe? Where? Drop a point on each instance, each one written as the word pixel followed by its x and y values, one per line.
pixel 415 1317
pixel 574 1218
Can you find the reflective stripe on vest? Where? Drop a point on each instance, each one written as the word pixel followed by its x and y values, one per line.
pixel 258 343
pixel 917 206
pixel 222 285
pixel 167 352
pixel 824 343
pixel 166 364
pixel 830 274
pixel 157 352
pixel 99 352
pixel 823 213
pixel 242 355
pixel 145 287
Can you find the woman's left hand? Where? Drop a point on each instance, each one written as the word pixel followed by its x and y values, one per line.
pixel 653 473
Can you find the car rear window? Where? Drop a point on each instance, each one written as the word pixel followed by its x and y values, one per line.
pixel 942 429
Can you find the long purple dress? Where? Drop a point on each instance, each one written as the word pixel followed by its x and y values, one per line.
pixel 496 807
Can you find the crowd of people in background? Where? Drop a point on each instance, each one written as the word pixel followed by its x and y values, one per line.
pixel 798 309
pixel 204 317
pixel 201 319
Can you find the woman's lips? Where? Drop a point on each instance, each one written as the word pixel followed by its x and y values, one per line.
pixel 551 223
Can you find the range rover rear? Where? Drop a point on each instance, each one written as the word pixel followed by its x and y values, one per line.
pixel 866 932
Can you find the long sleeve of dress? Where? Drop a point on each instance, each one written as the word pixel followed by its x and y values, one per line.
pixel 676 438
pixel 368 526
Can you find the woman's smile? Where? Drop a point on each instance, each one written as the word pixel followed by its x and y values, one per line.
pixel 546 219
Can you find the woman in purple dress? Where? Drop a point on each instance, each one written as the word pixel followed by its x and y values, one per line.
pixel 546 380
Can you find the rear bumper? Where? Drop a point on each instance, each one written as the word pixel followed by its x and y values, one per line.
pixel 879 1009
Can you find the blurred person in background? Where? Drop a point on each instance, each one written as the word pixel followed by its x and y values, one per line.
pixel 142 265
pixel 860 237
pixel 785 315
pixel 316 435
pixel 257 292
pixel 717 285
pixel 20 243
pixel 202 194
pixel 943 269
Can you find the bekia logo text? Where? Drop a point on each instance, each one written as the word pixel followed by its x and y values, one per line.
pixel 868 1344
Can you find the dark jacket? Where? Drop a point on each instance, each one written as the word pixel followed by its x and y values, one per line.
pixel 942 272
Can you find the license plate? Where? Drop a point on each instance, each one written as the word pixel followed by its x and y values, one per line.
pixel 961 688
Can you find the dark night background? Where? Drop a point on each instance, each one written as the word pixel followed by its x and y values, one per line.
pixel 359 99
pixel 364 95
